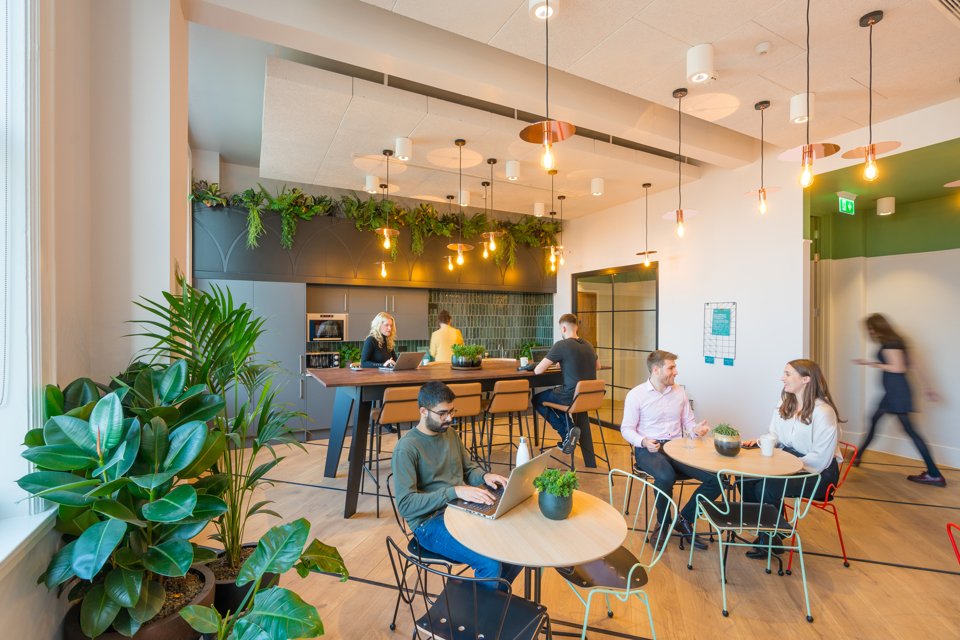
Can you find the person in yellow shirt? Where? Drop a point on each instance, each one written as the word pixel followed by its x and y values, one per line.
pixel 443 339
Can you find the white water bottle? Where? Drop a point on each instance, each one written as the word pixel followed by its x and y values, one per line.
pixel 523 452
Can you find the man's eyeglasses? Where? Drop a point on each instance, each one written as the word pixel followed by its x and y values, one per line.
pixel 443 414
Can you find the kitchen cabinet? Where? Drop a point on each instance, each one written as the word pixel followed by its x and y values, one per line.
pixel 409 308
pixel 327 299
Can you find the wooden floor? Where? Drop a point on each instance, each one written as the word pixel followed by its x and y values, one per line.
pixel 903 581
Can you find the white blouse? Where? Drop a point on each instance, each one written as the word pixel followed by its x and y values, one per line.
pixel 817 441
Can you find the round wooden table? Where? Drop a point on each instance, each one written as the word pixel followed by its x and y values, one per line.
pixel 703 456
pixel 525 537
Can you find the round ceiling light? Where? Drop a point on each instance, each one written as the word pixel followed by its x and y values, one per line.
pixel 541 9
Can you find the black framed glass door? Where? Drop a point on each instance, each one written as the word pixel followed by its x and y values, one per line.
pixel 617 309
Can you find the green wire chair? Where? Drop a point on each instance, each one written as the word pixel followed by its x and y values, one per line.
pixel 738 518
pixel 622 573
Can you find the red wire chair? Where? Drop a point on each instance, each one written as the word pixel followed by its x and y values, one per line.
pixel 849 453
pixel 951 527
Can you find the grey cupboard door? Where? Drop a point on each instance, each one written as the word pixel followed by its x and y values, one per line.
pixel 365 303
pixel 409 307
pixel 323 298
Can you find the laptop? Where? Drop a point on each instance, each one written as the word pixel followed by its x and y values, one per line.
pixel 538 353
pixel 519 487
pixel 406 361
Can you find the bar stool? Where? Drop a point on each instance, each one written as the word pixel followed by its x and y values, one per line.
pixel 399 406
pixel 468 405
pixel 510 398
pixel 587 396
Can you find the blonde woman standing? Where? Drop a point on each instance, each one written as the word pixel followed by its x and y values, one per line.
pixel 377 350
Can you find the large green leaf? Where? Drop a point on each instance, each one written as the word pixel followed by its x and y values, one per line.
pixel 60 568
pixel 182 531
pixel 213 447
pixel 34 438
pixel 80 392
pixel 152 480
pixel 128 559
pixel 246 630
pixel 106 422
pixel 58 486
pixel 125 625
pixel 176 505
pixel 75 520
pixel 202 408
pixel 322 558
pixel 283 614
pixel 206 509
pixel 151 600
pixel 124 586
pixel 202 619
pixel 214 484
pixel 108 488
pixel 172 382
pixel 171 558
pixel 60 457
pixel 126 454
pixel 77 430
pixel 53 403
pixel 95 545
pixel 276 552
pixel 261 471
pixel 118 511
pixel 155 442
pixel 186 443
pixel 97 611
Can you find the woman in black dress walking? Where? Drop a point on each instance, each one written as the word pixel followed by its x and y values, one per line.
pixel 893 360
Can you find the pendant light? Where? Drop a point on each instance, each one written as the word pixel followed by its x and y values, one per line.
pixel 547 132
pixel 383 267
pixel 486 201
pixel 490 237
pixel 680 214
pixel 449 258
pixel 646 253
pixel 459 245
pixel 385 231
pixel 403 148
pixel 561 198
pixel 762 106
pixel 809 152
pixel 553 215
pixel 870 152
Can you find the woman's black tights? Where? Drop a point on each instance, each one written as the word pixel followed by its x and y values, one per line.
pixel 911 432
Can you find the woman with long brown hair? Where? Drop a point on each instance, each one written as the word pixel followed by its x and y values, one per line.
pixel 893 360
pixel 805 425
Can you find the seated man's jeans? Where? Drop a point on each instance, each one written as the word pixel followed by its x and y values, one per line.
pixel 433 536
pixel 665 470
pixel 556 419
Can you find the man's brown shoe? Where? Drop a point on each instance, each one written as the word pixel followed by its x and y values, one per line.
pixel 926 478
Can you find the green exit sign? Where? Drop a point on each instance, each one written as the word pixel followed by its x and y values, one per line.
pixel 846 205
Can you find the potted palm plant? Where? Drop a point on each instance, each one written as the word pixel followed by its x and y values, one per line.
pixel 217 340
pixel 555 495
pixel 467 356
pixel 124 468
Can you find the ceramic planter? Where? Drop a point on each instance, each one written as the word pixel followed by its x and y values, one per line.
pixel 726 445
pixel 229 596
pixel 464 362
pixel 555 507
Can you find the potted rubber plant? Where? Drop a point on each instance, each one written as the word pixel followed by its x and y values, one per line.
pixel 124 467
pixel 269 612
pixel 217 339
pixel 555 495
pixel 467 356
pixel 726 440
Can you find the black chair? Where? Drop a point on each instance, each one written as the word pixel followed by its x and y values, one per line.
pixel 464 608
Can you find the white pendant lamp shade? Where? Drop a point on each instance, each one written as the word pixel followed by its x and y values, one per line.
pixel 596 186
pixel 700 63
pixel 538 208
pixel 886 206
pixel 403 149
pixel 798 108
pixel 464 198
pixel 513 170
pixel 370 184
pixel 542 10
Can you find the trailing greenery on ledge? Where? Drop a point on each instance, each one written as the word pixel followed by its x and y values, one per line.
pixel 421 222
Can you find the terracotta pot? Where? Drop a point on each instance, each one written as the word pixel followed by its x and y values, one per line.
pixel 172 627
pixel 555 507
pixel 726 445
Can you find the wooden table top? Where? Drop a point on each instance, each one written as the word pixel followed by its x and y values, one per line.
pixel 500 369
pixel 704 456
pixel 523 536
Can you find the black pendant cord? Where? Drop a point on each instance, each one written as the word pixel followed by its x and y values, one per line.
pixel 460 198
pixel 646 223
pixel 385 191
pixel 870 95
pixel 546 63
pixel 679 156
pixel 808 73
pixel 761 148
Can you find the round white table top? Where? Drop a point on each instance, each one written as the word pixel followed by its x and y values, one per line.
pixel 704 456
pixel 525 537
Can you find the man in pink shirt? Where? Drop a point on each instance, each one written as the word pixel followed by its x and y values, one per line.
pixel 654 413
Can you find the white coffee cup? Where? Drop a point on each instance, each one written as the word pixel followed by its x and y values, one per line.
pixel 524 361
pixel 767 444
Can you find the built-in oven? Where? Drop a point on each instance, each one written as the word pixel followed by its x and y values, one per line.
pixel 326 327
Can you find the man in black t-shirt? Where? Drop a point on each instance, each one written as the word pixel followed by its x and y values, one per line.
pixel 578 361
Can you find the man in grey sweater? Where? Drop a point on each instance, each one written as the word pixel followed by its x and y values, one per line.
pixel 431 467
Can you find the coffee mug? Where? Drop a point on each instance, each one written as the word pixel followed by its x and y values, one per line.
pixel 767 444
pixel 524 361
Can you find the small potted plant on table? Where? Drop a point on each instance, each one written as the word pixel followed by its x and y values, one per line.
pixel 556 492
pixel 467 356
pixel 726 440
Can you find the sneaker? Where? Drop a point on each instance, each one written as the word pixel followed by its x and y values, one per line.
pixel 570 440
pixel 926 478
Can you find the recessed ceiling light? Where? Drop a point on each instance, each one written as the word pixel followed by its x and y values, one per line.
pixel 541 9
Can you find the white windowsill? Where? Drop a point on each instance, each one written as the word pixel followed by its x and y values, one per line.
pixel 18 536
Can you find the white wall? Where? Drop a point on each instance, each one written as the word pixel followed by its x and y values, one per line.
pixel 730 254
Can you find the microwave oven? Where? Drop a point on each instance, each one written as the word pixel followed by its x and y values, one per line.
pixel 326 327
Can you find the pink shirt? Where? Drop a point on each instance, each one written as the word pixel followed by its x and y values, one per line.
pixel 647 413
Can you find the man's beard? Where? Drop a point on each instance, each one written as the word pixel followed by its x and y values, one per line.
pixel 437 426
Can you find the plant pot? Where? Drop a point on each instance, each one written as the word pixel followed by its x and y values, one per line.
pixel 229 596
pixel 726 445
pixel 172 627
pixel 555 507
pixel 464 362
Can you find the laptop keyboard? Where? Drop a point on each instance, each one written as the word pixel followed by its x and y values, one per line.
pixel 487 509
